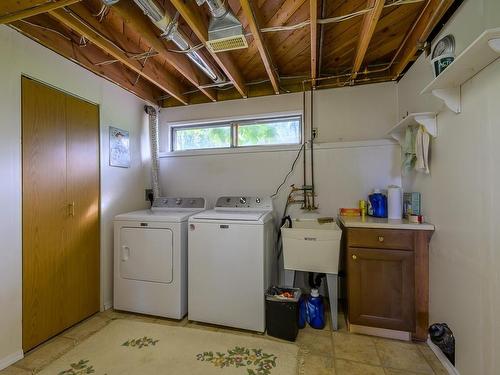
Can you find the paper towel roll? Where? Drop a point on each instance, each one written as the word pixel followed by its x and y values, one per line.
pixel 394 202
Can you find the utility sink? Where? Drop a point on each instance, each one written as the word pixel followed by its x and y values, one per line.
pixel 312 246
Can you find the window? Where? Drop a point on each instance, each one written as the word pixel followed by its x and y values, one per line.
pixel 246 133
pixel 200 137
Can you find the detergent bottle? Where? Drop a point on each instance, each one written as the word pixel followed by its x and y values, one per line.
pixel 377 206
pixel 315 310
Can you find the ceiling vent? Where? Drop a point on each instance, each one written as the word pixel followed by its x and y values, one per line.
pixel 225 32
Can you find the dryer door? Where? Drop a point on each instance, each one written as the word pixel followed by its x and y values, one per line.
pixel 146 254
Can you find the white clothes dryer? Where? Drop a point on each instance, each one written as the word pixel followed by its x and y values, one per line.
pixel 150 258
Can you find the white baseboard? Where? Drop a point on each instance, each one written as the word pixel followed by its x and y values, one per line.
pixel 10 359
pixel 108 305
pixel 452 370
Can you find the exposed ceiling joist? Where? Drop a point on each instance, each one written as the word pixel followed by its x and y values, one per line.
pixel 313 19
pixel 259 41
pixel 149 71
pixel 33 11
pixel 136 19
pixel 433 11
pixel 368 26
pixel 190 14
pixel 88 57
pixel 284 13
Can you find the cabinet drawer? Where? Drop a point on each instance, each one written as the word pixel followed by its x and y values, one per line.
pixel 380 238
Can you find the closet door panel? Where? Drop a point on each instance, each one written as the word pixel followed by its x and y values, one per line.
pixel 44 211
pixel 83 241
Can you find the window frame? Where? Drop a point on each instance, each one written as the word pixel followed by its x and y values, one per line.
pixel 233 124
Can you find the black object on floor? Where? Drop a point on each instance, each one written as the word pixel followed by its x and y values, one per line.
pixel 282 312
pixel 442 336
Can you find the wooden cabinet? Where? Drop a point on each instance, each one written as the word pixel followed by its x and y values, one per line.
pixel 387 279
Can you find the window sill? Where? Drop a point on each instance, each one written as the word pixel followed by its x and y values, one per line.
pixel 234 150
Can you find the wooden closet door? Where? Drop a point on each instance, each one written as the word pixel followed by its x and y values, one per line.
pixel 45 211
pixel 83 240
pixel 61 245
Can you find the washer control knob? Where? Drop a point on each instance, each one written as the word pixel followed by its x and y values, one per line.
pixel 243 200
pixel 257 200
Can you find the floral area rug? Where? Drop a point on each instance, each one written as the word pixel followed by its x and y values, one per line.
pixel 133 347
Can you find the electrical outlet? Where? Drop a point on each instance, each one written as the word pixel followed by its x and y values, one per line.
pixel 148 193
pixel 315 133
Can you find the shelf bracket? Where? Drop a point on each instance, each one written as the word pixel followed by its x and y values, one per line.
pixel 429 123
pixel 426 119
pixel 398 137
pixel 451 97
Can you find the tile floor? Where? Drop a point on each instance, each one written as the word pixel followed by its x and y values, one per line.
pixel 321 352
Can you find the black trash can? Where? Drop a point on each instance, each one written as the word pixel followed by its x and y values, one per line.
pixel 282 312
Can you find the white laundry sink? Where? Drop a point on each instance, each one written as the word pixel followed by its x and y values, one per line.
pixel 311 246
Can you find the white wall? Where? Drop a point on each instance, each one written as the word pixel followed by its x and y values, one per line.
pixel 121 189
pixel 347 114
pixel 345 171
pixel 461 197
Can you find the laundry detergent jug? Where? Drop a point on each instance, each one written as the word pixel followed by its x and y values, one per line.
pixel 315 310
pixel 377 204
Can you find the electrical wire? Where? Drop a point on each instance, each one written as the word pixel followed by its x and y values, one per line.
pixel 285 28
pixel 336 19
pixel 143 65
pixel 192 49
pixel 290 172
pixel 140 56
pixel 47 29
pixel 83 42
pixel 344 17
pixel 83 22
pixel 103 7
pixel 102 12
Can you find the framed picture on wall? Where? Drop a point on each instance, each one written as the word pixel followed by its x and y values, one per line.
pixel 119 148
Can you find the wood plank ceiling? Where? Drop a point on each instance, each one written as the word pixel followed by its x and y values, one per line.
pixel 292 44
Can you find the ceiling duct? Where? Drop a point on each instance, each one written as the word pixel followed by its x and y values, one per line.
pixel 169 27
pixel 225 31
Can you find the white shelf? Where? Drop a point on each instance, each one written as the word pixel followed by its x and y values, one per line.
pixel 427 119
pixel 471 61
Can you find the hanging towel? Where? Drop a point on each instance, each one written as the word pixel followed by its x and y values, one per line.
pixel 409 155
pixel 422 141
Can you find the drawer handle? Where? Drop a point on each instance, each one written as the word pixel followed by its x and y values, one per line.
pixel 380 238
pixel 354 257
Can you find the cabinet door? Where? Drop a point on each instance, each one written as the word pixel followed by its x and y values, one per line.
pixel 381 288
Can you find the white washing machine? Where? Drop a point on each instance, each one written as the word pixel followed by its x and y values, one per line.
pixel 150 258
pixel 231 259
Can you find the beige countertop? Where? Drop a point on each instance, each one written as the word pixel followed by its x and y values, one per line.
pixel 383 223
